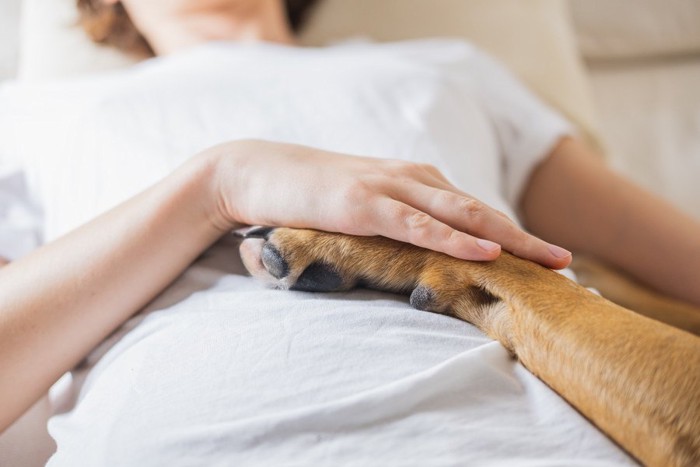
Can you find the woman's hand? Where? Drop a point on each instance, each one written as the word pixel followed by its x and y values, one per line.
pixel 264 183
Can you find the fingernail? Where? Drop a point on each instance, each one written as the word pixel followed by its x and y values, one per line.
pixel 488 245
pixel 558 251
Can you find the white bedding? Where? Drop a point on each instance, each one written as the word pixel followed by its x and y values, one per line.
pixel 220 371
pixel 20 221
pixel 224 372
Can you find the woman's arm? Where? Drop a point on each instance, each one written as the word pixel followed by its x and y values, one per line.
pixel 62 300
pixel 59 302
pixel 575 200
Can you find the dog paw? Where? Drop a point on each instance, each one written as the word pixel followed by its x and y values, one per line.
pixel 314 261
pixel 298 259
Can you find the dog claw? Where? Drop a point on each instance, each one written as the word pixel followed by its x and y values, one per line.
pixel 255 231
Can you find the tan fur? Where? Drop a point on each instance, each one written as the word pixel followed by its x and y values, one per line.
pixel 623 290
pixel 635 378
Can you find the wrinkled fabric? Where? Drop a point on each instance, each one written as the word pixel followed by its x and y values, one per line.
pixel 20 220
pixel 221 371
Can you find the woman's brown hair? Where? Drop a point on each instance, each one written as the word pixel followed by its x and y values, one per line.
pixel 111 25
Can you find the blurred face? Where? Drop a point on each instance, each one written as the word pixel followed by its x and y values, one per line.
pixel 169 25
pixel 145 11
pixel 189 6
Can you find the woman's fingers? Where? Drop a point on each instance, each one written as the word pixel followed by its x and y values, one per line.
pixel 402 222
pixel 357 195
pixel 470 215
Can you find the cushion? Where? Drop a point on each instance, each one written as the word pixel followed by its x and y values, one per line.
pixel 614 29
pixel 52 45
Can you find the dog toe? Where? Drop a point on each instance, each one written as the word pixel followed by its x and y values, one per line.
pixel 422 298
pixel 273 261
pixel 305 260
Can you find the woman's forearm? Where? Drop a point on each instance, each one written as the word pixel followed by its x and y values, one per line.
pixel 59 302
pixel 575 200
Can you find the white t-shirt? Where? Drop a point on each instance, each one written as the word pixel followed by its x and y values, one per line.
pixel 219 370
pixel 89 143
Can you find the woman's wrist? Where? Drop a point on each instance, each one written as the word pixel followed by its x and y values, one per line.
pixel 241 173
pixel 212 171
pixel 110 268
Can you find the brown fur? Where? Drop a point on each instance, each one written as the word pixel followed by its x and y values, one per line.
pixel 635 378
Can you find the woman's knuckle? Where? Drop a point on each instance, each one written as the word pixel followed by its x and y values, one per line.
pixel 428 167
pixel 394 166
pixel 359 191
pixel 417 220
pixel 471 207
pixel 454 237
pixel 522 242
pixel 418 226
pixel 475 211
pixel 409 170
pixel 505 216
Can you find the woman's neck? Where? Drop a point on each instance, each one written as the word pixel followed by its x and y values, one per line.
pixel 255 21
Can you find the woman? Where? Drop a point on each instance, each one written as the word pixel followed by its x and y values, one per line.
pixel 116 264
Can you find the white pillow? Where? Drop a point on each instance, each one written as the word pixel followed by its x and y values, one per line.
pixel 52 45
pixel 611 29
pixel 534 38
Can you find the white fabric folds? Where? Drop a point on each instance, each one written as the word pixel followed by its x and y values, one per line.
pixel 219 370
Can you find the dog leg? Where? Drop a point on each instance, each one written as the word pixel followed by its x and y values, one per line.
pixel 637 379
pixel 621 289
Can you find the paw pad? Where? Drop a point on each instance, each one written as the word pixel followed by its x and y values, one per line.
pixel 274 262
pixel 422 298
pixel 319 277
